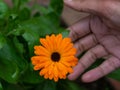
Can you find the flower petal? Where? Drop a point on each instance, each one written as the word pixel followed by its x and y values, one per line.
pixel 39 50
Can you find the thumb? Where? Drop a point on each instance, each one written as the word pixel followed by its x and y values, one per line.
pixel 91 6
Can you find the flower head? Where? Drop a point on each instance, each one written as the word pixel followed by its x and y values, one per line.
pixel 55 57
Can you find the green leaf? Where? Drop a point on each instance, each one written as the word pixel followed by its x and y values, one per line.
pixel 16 4
pixel 49 85
pixel 32 38
pixel 34 29
pixel 12 54
pixel 3 14
pixel 42 10
pixel 24 14
pixel 55 9
pixel 64 32
pixel 9 71
pixel 115 74
pixel 53 18
pixel 19 3
pixel 9 86
pixel 73 86
pixel 31 76
pixel 19 46
pixel 3 9
pixel 1 88
pixel 41 25
pixel 39 86
pixel 56 6
pixel 69 85
pixel 53 12
pixel 11 64
pixel 2 40
pixel 11 23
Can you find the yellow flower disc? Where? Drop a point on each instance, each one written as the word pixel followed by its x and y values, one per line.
pixel 55 58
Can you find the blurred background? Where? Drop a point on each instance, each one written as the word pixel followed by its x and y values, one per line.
pixel 69 15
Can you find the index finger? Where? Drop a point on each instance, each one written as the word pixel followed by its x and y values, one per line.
pixel 79 29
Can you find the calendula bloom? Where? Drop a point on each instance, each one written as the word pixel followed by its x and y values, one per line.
pixel 55 57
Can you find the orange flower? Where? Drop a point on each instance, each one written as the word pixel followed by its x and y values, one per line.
pixel 55 58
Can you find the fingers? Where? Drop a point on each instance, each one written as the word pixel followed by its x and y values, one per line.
pixel 87 60
pixel 85 43
pixel 79 29
pixel 108 66
pixel 84 5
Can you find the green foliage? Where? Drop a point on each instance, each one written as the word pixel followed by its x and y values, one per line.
pixel 73 86
pixel 69 85
pixel 2 41
pixel 11 64
pixel 3 9
pixel 21 26
pixel 1 88
pixel 30 76
pixel 115 75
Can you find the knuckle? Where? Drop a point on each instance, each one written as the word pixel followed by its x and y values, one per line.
pixel 81 46
pixel 73 33
pixel 102 71
pixel 93 54
pixel 84 65
pixel 115 63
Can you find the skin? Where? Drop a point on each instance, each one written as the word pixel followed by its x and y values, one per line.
pixel 99 35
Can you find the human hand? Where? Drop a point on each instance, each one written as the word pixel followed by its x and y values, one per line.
pixel 99 34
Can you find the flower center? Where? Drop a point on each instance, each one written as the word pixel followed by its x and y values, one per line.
pixel 55 56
